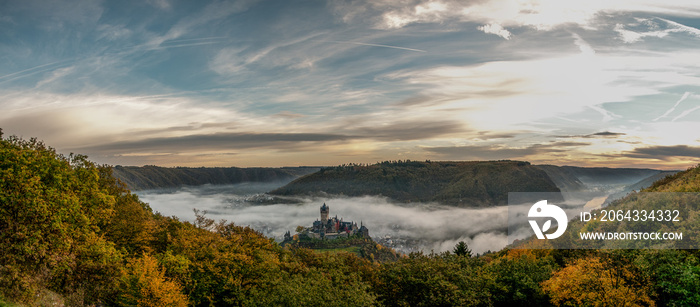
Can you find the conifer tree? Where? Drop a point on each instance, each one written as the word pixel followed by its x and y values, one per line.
pixel 462 249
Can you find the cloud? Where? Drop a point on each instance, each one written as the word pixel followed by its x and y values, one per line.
pixel 653 30
pixel 391 76
pixel 161 4
pixel 288 114
pixel 501 152
pixel 213 11
pixel 604 134
pixel 113 32
pixel 232 60
pixel 494 15
pixel 218 141
pixel 664 152
pixel 410 130
pixel 56 75
pixel 495 29
pixel 55 16
pixel 171 143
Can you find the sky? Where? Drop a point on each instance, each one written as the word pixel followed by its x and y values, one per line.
pixel 287 83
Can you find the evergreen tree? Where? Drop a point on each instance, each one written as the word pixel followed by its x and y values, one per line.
pixel 461 249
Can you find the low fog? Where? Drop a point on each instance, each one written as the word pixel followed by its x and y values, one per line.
pixel 405 227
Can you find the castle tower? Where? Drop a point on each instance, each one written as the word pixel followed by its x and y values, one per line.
pixel 364 231
pixel 324 213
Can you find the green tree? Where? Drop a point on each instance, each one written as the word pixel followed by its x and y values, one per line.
pixel 518 276
pixel 675 276
pixel 461 249
pixel 434 280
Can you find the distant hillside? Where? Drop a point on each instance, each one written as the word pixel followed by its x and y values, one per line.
pixel 154 177
pixel 563 177
pixel 573 178
pixel 685 181
pixel 641 185
pixel 604 175
pixel 463 184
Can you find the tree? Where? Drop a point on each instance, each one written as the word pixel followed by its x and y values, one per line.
pixel 144 284
pixel 675 275
pixel 462 249
pixel 593 281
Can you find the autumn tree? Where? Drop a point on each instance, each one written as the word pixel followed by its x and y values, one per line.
pixel 144 284
pixel 593 281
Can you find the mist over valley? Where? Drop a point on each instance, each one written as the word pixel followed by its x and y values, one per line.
pixel 404 226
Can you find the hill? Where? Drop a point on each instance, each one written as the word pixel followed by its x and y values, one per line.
pixel 154 177
pixel 574 178
pixel 686 181
pixel 654 205
pixel 462 184
pixel 563 177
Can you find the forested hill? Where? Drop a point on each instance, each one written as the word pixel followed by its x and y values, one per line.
pixel 153 177
pixel 686 181
pixel 463 184
pixel 573 178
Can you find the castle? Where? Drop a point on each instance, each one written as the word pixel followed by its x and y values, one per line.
pixel 332 228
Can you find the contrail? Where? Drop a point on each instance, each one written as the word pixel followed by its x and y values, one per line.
pixel 375 45
pixel 164 46
pixel 29 69
pixel 685 96
pixel 686 112
pixel 32 71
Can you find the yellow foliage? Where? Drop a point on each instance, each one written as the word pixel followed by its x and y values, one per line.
pixel 593 282
pixel 144 284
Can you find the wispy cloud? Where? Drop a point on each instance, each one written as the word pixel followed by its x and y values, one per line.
pixel 665 152
pixel 654 30
pixel 219 141
pixel 382 79
pixel 499 151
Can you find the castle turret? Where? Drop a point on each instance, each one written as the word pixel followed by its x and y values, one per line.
pixel 364 231
pixel 324 213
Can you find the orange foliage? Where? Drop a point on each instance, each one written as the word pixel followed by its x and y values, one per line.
pixel 144 284
pixel 594 282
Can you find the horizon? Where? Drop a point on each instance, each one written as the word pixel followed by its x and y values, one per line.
pixel 378 162
pixel 289 83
